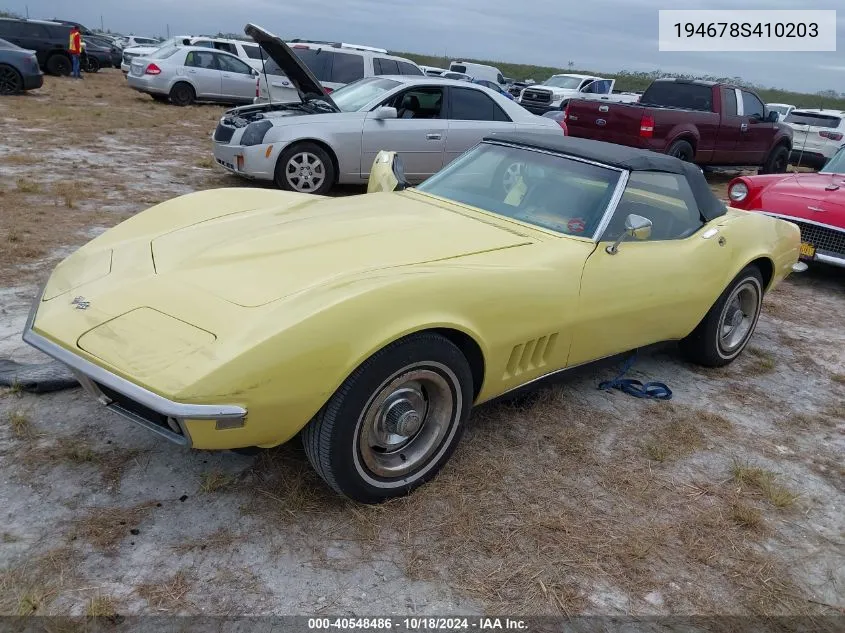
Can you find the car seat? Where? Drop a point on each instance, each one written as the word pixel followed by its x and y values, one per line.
pixel 410 106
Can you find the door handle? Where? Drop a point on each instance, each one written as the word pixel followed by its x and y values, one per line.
pixel 193 72
pixel 433 137
pixel 743 127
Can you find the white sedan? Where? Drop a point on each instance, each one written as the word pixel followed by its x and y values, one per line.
pixel 312 145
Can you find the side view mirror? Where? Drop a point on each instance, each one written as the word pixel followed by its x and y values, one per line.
pixel 772 117
pixel 637 227
pixel 387 173
pixel 385 112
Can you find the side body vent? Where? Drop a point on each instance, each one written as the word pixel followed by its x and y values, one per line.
pixel 530 355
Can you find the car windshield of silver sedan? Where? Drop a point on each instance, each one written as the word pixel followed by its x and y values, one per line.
pixel 835 165
pixel 550 191
pixel 352 97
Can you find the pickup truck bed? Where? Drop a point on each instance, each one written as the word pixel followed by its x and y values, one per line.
pixel 702 122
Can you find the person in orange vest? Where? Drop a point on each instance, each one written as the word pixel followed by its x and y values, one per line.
pixel 75 49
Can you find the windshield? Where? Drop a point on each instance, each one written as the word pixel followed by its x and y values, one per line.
pixel 835 165
pixel 352 97
pixel 552 192
pixel 780 109
pixel 564 81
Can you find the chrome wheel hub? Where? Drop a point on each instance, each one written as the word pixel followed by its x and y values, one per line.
pixel 406 422
pixel 738 317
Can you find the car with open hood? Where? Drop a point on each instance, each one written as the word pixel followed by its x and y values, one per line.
pixel 323 140
pixel 371 324
pixel 814 201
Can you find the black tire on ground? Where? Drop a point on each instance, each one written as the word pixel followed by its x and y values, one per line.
pixel 11 82
pixel 161 98
pixel 681 149
pixel 93 65
pixel 394 422
pixel 776 162
pixel 319 166
pixel 182 94
pixel 728 326
pixel 59 65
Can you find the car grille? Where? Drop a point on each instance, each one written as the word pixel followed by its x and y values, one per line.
pixel 223 133
pixel 822 237
pixel 127 405
pixel 537 96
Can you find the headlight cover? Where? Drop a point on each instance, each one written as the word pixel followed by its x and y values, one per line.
pixel 738 192
pixel 255 132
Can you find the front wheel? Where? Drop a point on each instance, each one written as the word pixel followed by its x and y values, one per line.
pixel 92 65
pixel 776 162
pixel 727 327
pixel 305 168
pixel 394 422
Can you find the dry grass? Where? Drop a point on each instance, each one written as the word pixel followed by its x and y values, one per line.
pixel 105 528
pixel 68 192
pixel 29 587
pixel 215 481
pixel 220 540
pixel 746 516
pixel 760 362
pixel 765 483
pixel 168 595
pixel 20 425
pixel 28 186
pixel 100 606
pixel 838 378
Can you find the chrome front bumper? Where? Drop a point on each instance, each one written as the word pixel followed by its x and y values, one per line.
pixel 150 410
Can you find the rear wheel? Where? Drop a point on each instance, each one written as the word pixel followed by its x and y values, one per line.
pixel 394 422
pixel 727 327
pixel 11 81
pixel 58 65
pixel 92 65
pixel 681 149
pixel 182 94
pixel 305 168
pixel 776 162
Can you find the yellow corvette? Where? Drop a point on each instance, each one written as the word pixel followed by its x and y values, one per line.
pixel 237 318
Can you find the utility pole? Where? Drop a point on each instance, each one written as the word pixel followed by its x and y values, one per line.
pixel 27 12
pixel 102 28
pixel 168 31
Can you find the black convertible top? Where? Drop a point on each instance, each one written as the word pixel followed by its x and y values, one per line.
pixel 622 157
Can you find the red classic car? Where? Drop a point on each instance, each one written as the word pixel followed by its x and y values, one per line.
pixel 813 201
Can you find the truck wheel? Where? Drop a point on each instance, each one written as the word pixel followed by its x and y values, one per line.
pixel 681 149
pixel 776 162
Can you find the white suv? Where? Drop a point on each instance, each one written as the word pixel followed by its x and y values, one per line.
pixel 816 135
pixel 247 51
pixel 334 65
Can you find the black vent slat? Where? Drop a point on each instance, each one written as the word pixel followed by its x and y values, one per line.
pixel 223 133
pixel 134 407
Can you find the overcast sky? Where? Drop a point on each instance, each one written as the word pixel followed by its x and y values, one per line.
pixel 601 35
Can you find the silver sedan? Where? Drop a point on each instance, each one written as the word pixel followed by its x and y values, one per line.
pixel 323 140
pixel 185 74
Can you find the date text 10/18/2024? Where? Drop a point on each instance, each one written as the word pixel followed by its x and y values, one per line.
pixel 409 624
pixel 747 31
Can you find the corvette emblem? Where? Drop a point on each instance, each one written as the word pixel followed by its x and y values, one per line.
pixel 80 303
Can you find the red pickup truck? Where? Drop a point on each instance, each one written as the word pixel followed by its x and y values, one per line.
pixel 703 122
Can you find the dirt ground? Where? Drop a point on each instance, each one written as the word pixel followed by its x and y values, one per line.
pixel 730 499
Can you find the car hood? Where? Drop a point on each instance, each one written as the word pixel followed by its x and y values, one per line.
pixel 295 70
pixel 814 190
pixel 324 241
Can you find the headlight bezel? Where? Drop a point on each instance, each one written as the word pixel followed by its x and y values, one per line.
pixel 738 192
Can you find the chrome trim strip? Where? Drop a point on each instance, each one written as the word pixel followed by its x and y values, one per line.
pixel 790 218
pixel 611 206
pixel 830 259
pixel 132 391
